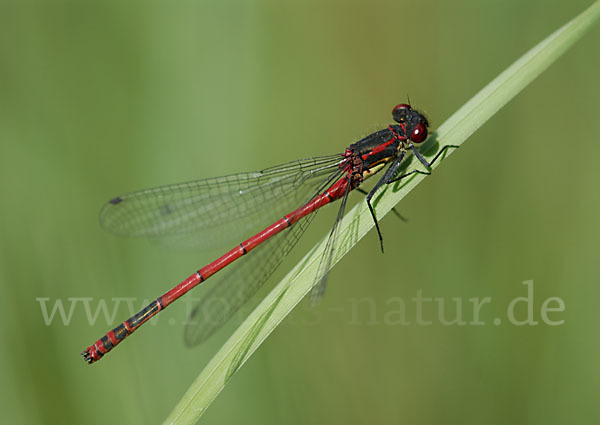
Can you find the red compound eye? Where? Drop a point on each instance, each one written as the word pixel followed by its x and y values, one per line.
pixel 397 108
pixel 400 112
pixel 419 133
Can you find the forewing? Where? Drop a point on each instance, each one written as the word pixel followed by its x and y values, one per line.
pixel 222 208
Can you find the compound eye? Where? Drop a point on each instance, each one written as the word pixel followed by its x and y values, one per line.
pixel 400 112
pixel 402 107
pixel 419 133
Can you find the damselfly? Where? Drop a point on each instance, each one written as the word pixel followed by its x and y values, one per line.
pixel 214 208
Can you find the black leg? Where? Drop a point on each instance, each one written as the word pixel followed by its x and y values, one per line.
pixel 389 173
pixel 388 178
pixel 423 160
pixel 394 210
pixel 409 174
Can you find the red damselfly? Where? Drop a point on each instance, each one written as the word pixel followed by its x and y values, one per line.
pixel 240 203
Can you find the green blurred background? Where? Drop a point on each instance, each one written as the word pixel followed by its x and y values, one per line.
pixel 101 98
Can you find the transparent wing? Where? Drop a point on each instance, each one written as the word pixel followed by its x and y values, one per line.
pixel 318 290
pixel 223 208
pixel 235 285
pixel 239 282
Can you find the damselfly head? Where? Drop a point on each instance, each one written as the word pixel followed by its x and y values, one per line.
pixel 414 123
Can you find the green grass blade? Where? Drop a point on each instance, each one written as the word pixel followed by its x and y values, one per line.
pixel 282 299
